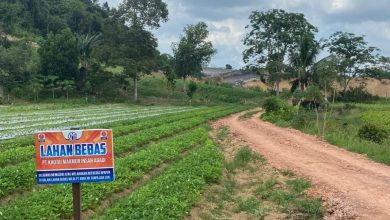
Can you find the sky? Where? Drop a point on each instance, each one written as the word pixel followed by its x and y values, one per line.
pixel 227 19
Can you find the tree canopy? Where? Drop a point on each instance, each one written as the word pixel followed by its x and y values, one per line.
pixel 193 50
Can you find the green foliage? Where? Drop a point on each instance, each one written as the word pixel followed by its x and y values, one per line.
pixel 291 199
pixel 353 55
pixel 249 205
pixel 193 50
pixel 129 167
pixel 178 188
pixel 223 132
pixel 277 110
pixel 229 67
pixel 273 104
pixel 299 185
pixel 357 94
pixel 144 13
pixel 192 87
pixel 60 55
pixel 372 133
pixel 167 66
pixel 275 35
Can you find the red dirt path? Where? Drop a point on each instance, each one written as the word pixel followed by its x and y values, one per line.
pixel 350 184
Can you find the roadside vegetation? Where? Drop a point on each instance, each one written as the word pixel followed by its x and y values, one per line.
pixel 361 128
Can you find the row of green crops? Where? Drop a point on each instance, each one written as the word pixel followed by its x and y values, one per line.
pixel 22 176
pixel 55 202
pixel 28 140
pixel 172 194
pixel 20 154
pixel 25 128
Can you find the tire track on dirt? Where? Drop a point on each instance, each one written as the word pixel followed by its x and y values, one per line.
pixel 351 185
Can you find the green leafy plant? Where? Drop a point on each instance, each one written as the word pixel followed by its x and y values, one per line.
pixel 372 133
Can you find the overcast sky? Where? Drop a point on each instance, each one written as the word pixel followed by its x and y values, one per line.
pixel 227 19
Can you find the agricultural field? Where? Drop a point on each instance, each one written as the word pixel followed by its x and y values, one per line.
pixel 164 160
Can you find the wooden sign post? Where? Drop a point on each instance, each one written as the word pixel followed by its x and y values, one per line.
pixel 74 156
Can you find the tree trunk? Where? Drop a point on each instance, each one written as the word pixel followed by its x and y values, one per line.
pixel 277 88
pixel 135 89
pixel 67 94
pixel 1 91
pixel 184 84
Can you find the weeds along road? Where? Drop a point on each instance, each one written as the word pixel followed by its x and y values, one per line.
pixel 352 186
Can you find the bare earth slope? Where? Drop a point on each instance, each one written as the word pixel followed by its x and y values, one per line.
pixel 353 186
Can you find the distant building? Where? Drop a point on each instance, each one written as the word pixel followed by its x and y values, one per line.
pixel 230 76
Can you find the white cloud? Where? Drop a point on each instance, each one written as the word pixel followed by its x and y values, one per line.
pixel 227 19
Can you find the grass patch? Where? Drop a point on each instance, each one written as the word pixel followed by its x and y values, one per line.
pixel 248 115
pixel 223 132
pixel 299 185
pixel 242 158
pixel 249 205
pixel 290 198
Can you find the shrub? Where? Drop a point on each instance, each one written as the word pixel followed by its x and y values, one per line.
pixel 273 104
pixel 357 94
pixel 277 110
pixel 372 133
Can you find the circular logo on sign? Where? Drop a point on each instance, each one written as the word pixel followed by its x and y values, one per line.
pixel 72 136
pixel 41 136
pixel 103 134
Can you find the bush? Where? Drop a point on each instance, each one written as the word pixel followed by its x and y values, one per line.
pixel 357 94
pixel 277 110
pixel 273 104
pixel 372 133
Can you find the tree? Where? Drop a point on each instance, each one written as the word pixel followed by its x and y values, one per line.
pixel 144 13
pixel 273 34
pixel 35 86
pixel 167 66
pixel 229 67
pixel 353 54
pixel 132 48
pixel 86 43
pixel 60 55
pixel 51 83
pixel 138 49
pixel 302 59
pixel 192 51
pixel 67 85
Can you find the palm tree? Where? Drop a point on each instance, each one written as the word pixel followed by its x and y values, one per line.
pixel 303 58
pixel 85 45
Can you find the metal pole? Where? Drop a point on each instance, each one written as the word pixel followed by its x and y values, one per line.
pixel 76 189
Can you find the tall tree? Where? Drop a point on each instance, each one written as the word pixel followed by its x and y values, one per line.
pixel 353 54
pixel 273 34
pixel 303 58
pixel 140 15
pixel 132 48
pixel 60 55
pixel 144 13
pixel 192 51
pixel 86 44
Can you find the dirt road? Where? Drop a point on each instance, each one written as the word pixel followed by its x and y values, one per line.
pixel 350 184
